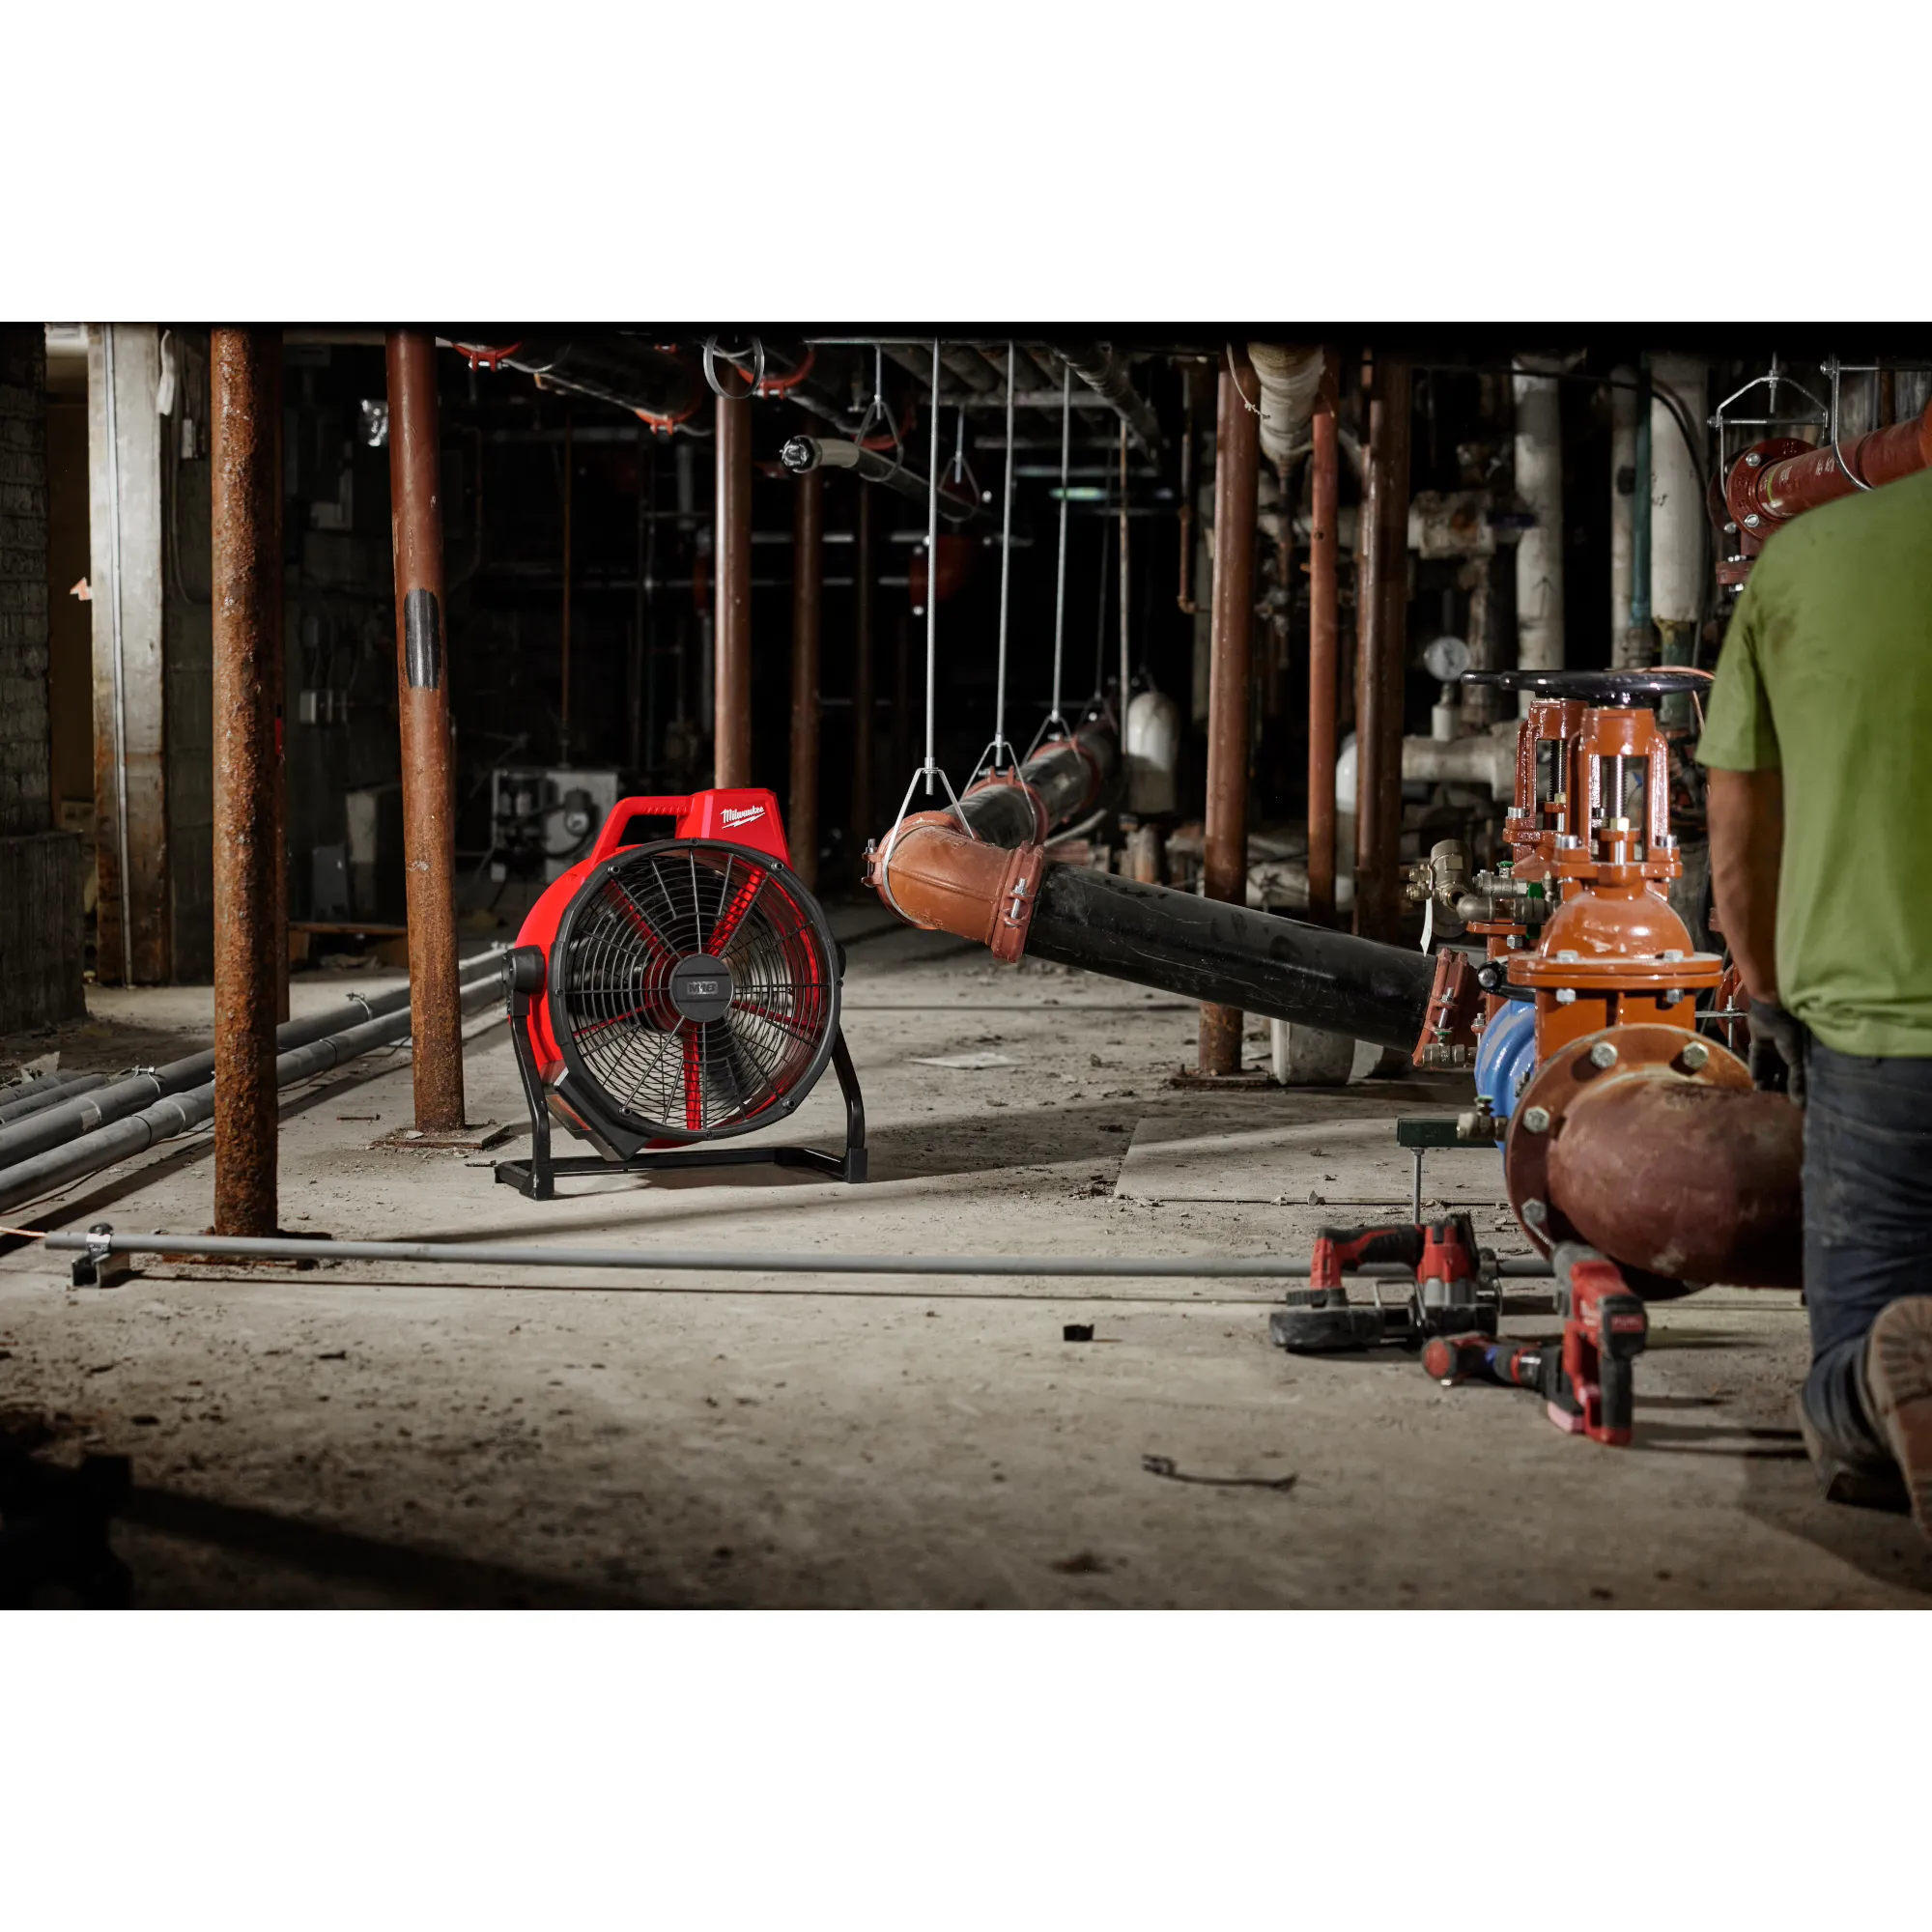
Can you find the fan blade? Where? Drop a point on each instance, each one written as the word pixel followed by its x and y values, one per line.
pixel 733 913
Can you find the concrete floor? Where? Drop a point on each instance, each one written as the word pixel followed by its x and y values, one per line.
pixel 353 1436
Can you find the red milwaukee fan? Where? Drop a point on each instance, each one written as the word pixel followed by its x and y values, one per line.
pixel 678 986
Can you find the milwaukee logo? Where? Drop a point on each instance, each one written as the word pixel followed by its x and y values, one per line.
pixel 742 814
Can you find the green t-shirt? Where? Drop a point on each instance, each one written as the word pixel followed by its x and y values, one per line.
pixel 1827 672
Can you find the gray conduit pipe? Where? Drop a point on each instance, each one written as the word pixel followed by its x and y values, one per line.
pixel 41 1095
pixel 182 1112
pixel 508 1254
pixel 70 1119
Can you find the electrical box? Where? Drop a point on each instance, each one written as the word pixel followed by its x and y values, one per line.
pixel 542 822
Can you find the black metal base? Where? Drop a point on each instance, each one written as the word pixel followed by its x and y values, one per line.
pixel 535 1179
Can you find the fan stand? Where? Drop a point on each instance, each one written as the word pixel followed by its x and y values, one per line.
pixel 535 1179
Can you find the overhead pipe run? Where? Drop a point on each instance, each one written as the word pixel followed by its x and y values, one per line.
pixel 1106 374
pixel 616 369
pixel 1763 490
pixel 803 454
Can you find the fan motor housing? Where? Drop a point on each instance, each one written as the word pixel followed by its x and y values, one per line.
pixel 691 981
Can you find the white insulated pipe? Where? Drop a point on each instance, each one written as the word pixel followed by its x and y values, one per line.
pixel 1677 512
pixel 1538 484
pixel 1290 381
pixel 1485 759
pixel 1624 411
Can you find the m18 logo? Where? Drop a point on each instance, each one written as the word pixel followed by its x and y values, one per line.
pixel 742 814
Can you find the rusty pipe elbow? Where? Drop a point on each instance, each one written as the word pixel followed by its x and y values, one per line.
pixel 935 874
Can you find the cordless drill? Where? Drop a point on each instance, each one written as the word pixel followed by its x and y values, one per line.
pixel 1587 1379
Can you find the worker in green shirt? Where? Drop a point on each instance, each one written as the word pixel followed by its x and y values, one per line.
pixel 1818 745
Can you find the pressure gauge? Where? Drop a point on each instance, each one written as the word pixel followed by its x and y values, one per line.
pixel 1446 659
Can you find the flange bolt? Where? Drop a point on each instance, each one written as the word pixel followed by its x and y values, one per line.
pixel 1603 1054
pixel 1536 1120
pixel 1535 1213
pixel 1695 1053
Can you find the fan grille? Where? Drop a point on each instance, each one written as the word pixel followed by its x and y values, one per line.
pixel 623 1011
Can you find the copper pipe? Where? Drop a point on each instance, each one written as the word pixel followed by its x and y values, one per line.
pixel 1186 601
pixel 245 366
pixel 806 594
pixel 423 699
pixel 1382 620
pixel 1225 858
pixel 563 699
pixel 864 681
pixel 1687 1181
pixel 1126 668
pixel 732 685
pixel 1324 625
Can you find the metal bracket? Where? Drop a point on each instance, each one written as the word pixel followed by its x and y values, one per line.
pixel 99 1266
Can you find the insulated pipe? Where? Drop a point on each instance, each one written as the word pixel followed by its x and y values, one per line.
pixel 1289 379
pixel 1106 374
pixel 1383 619
pixel 1489 759
pixel 65 1122
pixel 808 589
pixel 1782 490
pixel 1323 654
pixel 768 1261
pixel 422 697
pixel 803 454
pixel 181 1113
pixel 731 756
pixel 245 523
pixel 1624 411
pixel 1693 1182
pixel 1225 853
pixel 1539 483
pixel 1679 515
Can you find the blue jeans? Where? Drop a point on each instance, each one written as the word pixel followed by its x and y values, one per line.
pixel 1867 1225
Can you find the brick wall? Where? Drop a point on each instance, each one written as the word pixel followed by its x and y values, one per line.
pixel 24 747
pixel 39 867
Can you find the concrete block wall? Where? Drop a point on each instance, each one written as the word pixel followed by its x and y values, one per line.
pixel 39 867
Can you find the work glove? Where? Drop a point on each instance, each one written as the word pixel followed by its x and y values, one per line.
pixel 1778 1044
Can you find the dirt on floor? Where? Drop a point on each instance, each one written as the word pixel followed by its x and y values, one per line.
pixel 357 1434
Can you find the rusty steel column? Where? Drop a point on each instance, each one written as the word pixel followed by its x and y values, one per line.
pixel 865 679
pixel 1324 628
pixel 1381 619
pixel 732 539
pixel 422 696
pixel 808 586
pixel 245 375
pixel 1225 859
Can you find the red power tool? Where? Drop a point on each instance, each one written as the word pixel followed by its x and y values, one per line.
pixel 1450 1289
pixel 1588 1380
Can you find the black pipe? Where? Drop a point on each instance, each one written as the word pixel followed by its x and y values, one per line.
pixel 1067 779
pixel 1227 956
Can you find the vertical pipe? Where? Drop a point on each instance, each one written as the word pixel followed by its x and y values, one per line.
pixel 422 697
pixel 563 695
pixel 1323 624
pixel 733 693
pixel 1623 508
pixel 1679 522
pixel 865 677
pixel 806 594
pixel 1637 649
pixel 1225 858
pixel 1125 667
pixel 1382 620
pixel 1188 606
pixel 1538 482
pixel 633 681
pixel 246 524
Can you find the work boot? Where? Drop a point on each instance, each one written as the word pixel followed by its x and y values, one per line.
pixel 1876 1486
pixel 1898 1395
